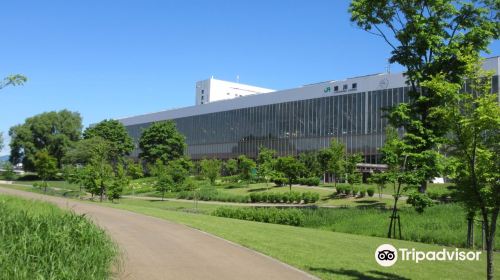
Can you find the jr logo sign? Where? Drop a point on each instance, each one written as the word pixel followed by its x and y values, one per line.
pixel 327 89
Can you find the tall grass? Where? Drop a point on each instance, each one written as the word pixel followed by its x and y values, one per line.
pixel 443 224
pixel 40 241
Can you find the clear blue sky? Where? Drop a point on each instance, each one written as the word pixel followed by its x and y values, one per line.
pixel 109 59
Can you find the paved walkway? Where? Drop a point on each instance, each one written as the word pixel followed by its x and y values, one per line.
pixel 158 249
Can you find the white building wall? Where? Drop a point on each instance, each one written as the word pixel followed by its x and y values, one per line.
pixel 212 90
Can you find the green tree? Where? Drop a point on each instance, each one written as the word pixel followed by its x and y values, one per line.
pixel 8 171
pixel 161 141
pixel 231 167
pixel 113 131
pixel 54 132
pixel 172 176
pixel 353 176
pixel 210 168
pixel 1 140
pixel 120 181
pixel 45 166
pixel 134 170
pixel 291 168
pixel 332 160
pixel 13 80
pixel 428 38
pixel 266 160
pixel 311 162
pixel 81 152
pixel 246 167
pixel 98 173
pixel 475 146
pixel 400 172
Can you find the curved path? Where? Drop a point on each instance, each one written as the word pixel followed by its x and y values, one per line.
pixel 158 249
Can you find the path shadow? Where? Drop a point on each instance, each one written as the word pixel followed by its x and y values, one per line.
pixel 370 275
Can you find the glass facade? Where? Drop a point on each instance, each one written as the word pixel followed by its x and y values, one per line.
pixel 290 128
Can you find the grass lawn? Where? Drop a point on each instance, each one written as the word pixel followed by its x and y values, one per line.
pixel 38 240
pixel 320 251
pixel 261 187
pixel 52 184
pixel 326 254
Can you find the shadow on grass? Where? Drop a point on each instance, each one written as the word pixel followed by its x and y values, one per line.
pixel 370 275
pixel 258 190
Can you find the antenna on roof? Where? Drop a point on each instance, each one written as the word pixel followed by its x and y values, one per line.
pixel 388 68
pixel 238 79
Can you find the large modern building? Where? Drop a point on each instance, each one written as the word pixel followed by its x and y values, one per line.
pixel 242 118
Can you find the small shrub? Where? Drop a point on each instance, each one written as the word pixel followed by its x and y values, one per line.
pixel 362 192
pixel 370 191
pixel 347 190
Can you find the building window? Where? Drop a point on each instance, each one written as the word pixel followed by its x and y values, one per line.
pixel 202 91
pixel 344 87
pixel 201 102
pixel 336 88
pixel 354 85
pixel 202 97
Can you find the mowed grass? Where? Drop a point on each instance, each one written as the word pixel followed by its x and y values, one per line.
pixel 40 241
pixel 326 254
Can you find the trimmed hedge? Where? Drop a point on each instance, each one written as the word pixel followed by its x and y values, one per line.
pixel 312 181
pixel 292 217
pixel 208 194
pixel 285 197
pixel 212 194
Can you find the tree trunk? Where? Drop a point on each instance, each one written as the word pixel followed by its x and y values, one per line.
pixel 102 192
pixel 162 195
pixel 490 243
pixel 423 187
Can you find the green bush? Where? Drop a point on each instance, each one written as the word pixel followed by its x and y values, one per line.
pixel 362 192
pixel 340 190
pixel 292 217
pixel 312 181
pixel 347 190
pixel 370 191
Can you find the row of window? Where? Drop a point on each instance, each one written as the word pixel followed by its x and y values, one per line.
pixel 356 119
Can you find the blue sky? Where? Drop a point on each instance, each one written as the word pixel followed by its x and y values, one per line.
pixel 109 59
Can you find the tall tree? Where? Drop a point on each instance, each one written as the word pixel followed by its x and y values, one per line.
pixel 1 141
pixel 50 131
pixel 113 131
pixel 475 146
pixel 428 38
pixel 161 141
pixel 45 166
